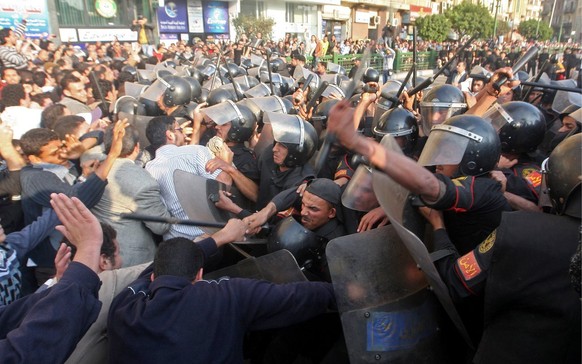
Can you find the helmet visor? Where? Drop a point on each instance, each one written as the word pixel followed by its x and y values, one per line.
pixel 222 113
pixel 134 89
pixel 286 128
pixel 359 194
pixel 437 113
pixel 259 90
pixel 155 90
pixel 333 91
pixel 497 116
pixel 443 148
pixel 270 104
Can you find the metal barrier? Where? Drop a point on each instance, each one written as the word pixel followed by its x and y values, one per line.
pixel 402 61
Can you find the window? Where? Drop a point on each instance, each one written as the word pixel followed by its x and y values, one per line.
pixel 83 13
pixel 300 13
pixel 252 7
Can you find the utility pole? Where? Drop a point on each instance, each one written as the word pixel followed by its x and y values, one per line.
pixel 495 24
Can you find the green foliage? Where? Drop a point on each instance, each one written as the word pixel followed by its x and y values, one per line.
pixel 468 19
pixel 251 25
pixel 433 27
pixel 502 27
pixel 528 29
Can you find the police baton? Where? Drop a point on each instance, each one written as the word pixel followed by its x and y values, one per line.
pixel 424 84
pixel 517 66
pixel 172 220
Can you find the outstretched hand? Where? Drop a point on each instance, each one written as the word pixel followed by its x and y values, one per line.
pixel 80 227
pixel 341 123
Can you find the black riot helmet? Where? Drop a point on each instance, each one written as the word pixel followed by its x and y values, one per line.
pixel 277 64
pixel 299 241
pixel 371 75
pixel 220 95
pixel 243 120
pixel 439 104
pixel 322 112
pixel 296 134
pixel 128 105
pixel 129 69
pixel 178 91
pixel 520 125
pixel 195 88
pixel 464 140
pixel 401 124
pixel 563 172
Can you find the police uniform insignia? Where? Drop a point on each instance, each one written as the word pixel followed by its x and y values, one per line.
pixel 488 243
pixel 468 266
pixel 459 181
pixel 532 176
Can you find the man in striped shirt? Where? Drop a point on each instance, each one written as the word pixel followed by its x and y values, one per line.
pixel 171 155
pixel 9 54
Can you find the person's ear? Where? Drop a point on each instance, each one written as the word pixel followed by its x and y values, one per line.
pixel 152 277
pixel 104 263
pixel 332 213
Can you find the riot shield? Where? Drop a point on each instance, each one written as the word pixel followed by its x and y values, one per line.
pixel 331 78
pixel 277 267
pixel 270 104
pixel 260 90
pixel 134 89
pixel 140 122
pixel 564 99
pixel 196 195
pixel 394 199
pixel 266 138
pixel 388 314
pixel 333 90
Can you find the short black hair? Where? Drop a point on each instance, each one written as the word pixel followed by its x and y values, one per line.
pixel 8 68
pixel 179 257
pixel 50 114
pixel 108 246
pixel 34 139
pixel 12 94
pixel 67 124
pixel 130 140
pixel 4 33
pixel 156 129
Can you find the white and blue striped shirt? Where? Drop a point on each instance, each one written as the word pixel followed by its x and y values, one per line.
pixel 189 158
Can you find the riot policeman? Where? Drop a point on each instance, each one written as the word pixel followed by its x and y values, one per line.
pixel 521 127
pixel 532 314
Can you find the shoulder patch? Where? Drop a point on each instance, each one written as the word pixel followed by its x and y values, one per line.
pixel 468 266
pixel 486 245
pixel 532 176
pixel 459 181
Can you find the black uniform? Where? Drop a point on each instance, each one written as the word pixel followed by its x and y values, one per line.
pixel 472 208
pixel 524 180
pixel 273 181
pixel 245 161
pixel 532 314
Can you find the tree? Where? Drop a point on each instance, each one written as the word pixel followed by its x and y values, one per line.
pixel 251 25
pixel 502 27
pixel 528 29
pixel 468 19
pixel 433 27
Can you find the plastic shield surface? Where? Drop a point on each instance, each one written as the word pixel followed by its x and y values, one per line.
pixel 259 90
pixel 333 91
pixel 332 79
pixel 266 139
pixel 134 89
pixel 394 200
pixel 278 267
pixel 359 194
pixel 140 122
pixel 195 194
pixel 270 104
pixel 222 113
pixel 497 116
pixel 154 92
pixel 564 99
pixel 388 314
pixel 443 148
pixel 286 128
pixel 146 75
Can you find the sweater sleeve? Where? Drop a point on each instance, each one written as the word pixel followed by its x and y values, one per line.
pixel 265 305
pixel 45 327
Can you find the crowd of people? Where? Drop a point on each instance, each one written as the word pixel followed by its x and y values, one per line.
pixel 232 135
